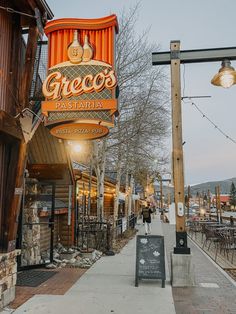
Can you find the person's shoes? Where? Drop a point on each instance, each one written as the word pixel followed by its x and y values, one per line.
pixel 145 233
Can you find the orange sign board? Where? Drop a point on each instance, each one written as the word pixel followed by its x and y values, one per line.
pixel 101 33
pixel 81 105
pixel 79 131
pixel 81 82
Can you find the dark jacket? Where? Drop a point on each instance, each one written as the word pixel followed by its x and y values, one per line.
pixel 146 213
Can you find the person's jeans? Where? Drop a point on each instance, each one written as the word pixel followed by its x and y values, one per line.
pixel 147 226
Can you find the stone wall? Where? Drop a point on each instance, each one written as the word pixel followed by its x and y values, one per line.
pixel 30 248
pixel 8 273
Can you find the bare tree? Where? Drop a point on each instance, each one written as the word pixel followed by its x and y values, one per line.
pixel 143 121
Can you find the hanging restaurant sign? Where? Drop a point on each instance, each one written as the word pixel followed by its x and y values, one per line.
pixel 81 82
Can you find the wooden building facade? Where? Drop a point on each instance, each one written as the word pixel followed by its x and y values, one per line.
pixel 17 57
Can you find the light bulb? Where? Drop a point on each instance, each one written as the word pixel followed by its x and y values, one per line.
pixel 227 79
pixel 77 148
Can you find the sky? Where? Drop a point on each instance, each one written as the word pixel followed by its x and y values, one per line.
pixel 202 24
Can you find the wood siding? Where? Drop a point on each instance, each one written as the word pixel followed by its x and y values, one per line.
pixel 10 68
pixel 46 149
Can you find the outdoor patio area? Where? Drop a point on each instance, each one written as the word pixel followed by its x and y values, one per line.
pixel 217 239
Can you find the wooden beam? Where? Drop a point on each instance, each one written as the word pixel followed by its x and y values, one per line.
pixel 8 176
pixel 9 127
pixel 28 70
pixel 196 56
pixel 26 78
pixel 14 209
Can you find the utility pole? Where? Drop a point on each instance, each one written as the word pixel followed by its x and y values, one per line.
pixel 159 177
pixel 219 203
pixel 177 150
pixel 188 203
pixel 209 200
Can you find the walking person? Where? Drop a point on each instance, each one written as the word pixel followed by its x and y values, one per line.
pixel 146 213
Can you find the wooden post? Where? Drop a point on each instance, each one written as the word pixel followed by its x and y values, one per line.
pixel 219 203
pixel 188 204
pixel 161 193
pixel 209 200
pixel 27 73
pixel 178 168
pixel 161 199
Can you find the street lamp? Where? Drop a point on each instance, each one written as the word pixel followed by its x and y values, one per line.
pixel 226 77
pixel 181 259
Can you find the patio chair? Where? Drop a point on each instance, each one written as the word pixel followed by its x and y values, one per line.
pixel 194 228
pixel 229 243
pixel 212 237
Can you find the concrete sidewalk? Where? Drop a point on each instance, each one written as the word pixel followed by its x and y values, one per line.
pixel 108 287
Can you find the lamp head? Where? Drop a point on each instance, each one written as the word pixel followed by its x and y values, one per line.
pixel 226 77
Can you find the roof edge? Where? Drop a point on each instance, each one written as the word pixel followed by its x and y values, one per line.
pixel 43 4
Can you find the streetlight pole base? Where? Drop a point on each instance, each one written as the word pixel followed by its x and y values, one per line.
pixel 182 270
pixel 181 243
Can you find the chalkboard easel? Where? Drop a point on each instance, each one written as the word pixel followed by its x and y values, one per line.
pixel 150 258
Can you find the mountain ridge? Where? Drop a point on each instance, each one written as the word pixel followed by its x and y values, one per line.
pixel 225 186
pixel 202 188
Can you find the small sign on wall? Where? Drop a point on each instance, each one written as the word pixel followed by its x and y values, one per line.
pixel 18 191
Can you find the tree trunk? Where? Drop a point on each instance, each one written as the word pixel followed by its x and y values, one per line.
pixel 130 195
pixel 100 156
pixel 116 200
pixel 126 192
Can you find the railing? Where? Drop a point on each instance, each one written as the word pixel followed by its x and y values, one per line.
pixel 100 235
pixel 94 235
pixel 119 227
pixel 132 221
pixel 215 238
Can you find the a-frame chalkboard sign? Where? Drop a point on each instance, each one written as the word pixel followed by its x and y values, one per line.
pixel 150 258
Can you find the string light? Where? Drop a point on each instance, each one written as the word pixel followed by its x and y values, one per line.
pixel 211 122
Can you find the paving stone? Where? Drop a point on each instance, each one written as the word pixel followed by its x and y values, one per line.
pixel 213 293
